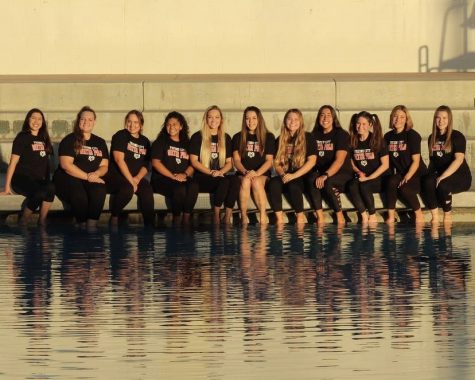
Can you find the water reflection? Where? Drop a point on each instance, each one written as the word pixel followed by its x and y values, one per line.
pixel 210 302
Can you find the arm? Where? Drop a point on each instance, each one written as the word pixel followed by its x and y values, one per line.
pixel 237 163
pixel 163 170
pixel 198 165
pixel 358 172
pixel 453 167
pixel 265 167
pixel 416 159
pixel 333 169
pixel 380 170
pixel 11 169
pixel 228 165
pixel 124 169
pixel 309 164
pixel 67 164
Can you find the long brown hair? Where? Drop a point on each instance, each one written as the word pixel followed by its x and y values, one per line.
pixel 261 130
pixel 300 148
pixel 376 139
pixel 43 131
pixel 336 122
pixel 78 134
pixel 435 130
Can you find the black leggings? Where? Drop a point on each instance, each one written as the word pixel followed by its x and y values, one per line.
pixel 86 198
pixel 224 189
pixel 441 196
pixel 36 191
pixel 333 187
pixel 122 192
pixel 293 190
pixel 407 192
pixel 361 194
pixel 183 194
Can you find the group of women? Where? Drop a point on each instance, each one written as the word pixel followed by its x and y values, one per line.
pixel 321 164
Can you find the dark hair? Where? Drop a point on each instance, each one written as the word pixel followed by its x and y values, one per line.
pixel 139 116
pixel 78 134
pixel 336 122
pixel 43 131
pixel 184 133
pixel 376 135
pixel 261 131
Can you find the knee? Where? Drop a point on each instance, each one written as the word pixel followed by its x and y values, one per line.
pixel 245 183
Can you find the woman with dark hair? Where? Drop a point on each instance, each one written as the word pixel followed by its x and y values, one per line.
pixel 28 172
pixel 448 170
pixel 172 174
pixel 370 161
pixel 253 153
pixel 333 169
pixel 129 164
pixel 83 161
pixel 294 158
pixel 405 164
pixel 211 157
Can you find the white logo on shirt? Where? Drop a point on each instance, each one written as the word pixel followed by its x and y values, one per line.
pixel 250 154
pixel 214 156
pixel 42 153
pixel 136 156
pixel 321 153
pixel 439 153
pixel 364 163
pixel 178 161
pixel 395 154
pixel 91 158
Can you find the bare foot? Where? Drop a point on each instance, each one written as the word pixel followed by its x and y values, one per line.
pixel 448 218
pixel 340 218
pixel 435 216
pixel 263 218
pixel 279 217
pixel 319 216
pixel 364 218
pixel 372 219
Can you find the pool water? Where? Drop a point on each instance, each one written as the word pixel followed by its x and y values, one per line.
pixel 238 303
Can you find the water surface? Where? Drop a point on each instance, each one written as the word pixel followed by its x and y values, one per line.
pixel 252 303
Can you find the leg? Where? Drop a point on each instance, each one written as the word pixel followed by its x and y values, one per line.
pixel 231 197
pixel 96 195
pixel 295 190
pixel 275 198
pixel 244 195
pixel 146 202
pixel 391 186
pixel 258 190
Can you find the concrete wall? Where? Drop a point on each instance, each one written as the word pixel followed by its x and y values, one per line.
pixel 273 94
pixel 229 36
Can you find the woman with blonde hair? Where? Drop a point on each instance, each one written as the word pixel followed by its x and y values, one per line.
pixel 448 170
pixel 405 163
pixel 333 169
pixel 295 157
pixel 253 153
pixel 211 157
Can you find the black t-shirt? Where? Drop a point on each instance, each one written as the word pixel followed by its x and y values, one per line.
pixel 289 151
pixel 34 161
pixel 173 154
pixel 90 155
pixel 365 159
pixel 327 144
pixel 136 152
pixel 252 159
pixel 401 147
pixel 195 148
pixel 440 159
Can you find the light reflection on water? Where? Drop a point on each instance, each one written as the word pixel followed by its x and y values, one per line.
pixel 237 303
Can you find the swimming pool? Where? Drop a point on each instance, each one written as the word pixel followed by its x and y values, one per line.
pixel 237 303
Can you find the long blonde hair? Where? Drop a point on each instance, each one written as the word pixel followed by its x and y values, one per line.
pixel 205 152
pixel 300 148
pixel 450 128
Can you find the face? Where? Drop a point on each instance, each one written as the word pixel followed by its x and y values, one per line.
pixel 399 120
pixel 326 119
pixel 442 121
pixel 251 121
pixel 362 126
pixel 35 122
pixel 292 123
pixel 133 125
pixel 87 122
pixel 213 119
pixel 173 128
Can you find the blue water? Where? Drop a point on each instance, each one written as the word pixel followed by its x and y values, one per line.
pixel 233 303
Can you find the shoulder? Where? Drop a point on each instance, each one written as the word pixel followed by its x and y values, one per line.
pixel 413 133
pixel 68 139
